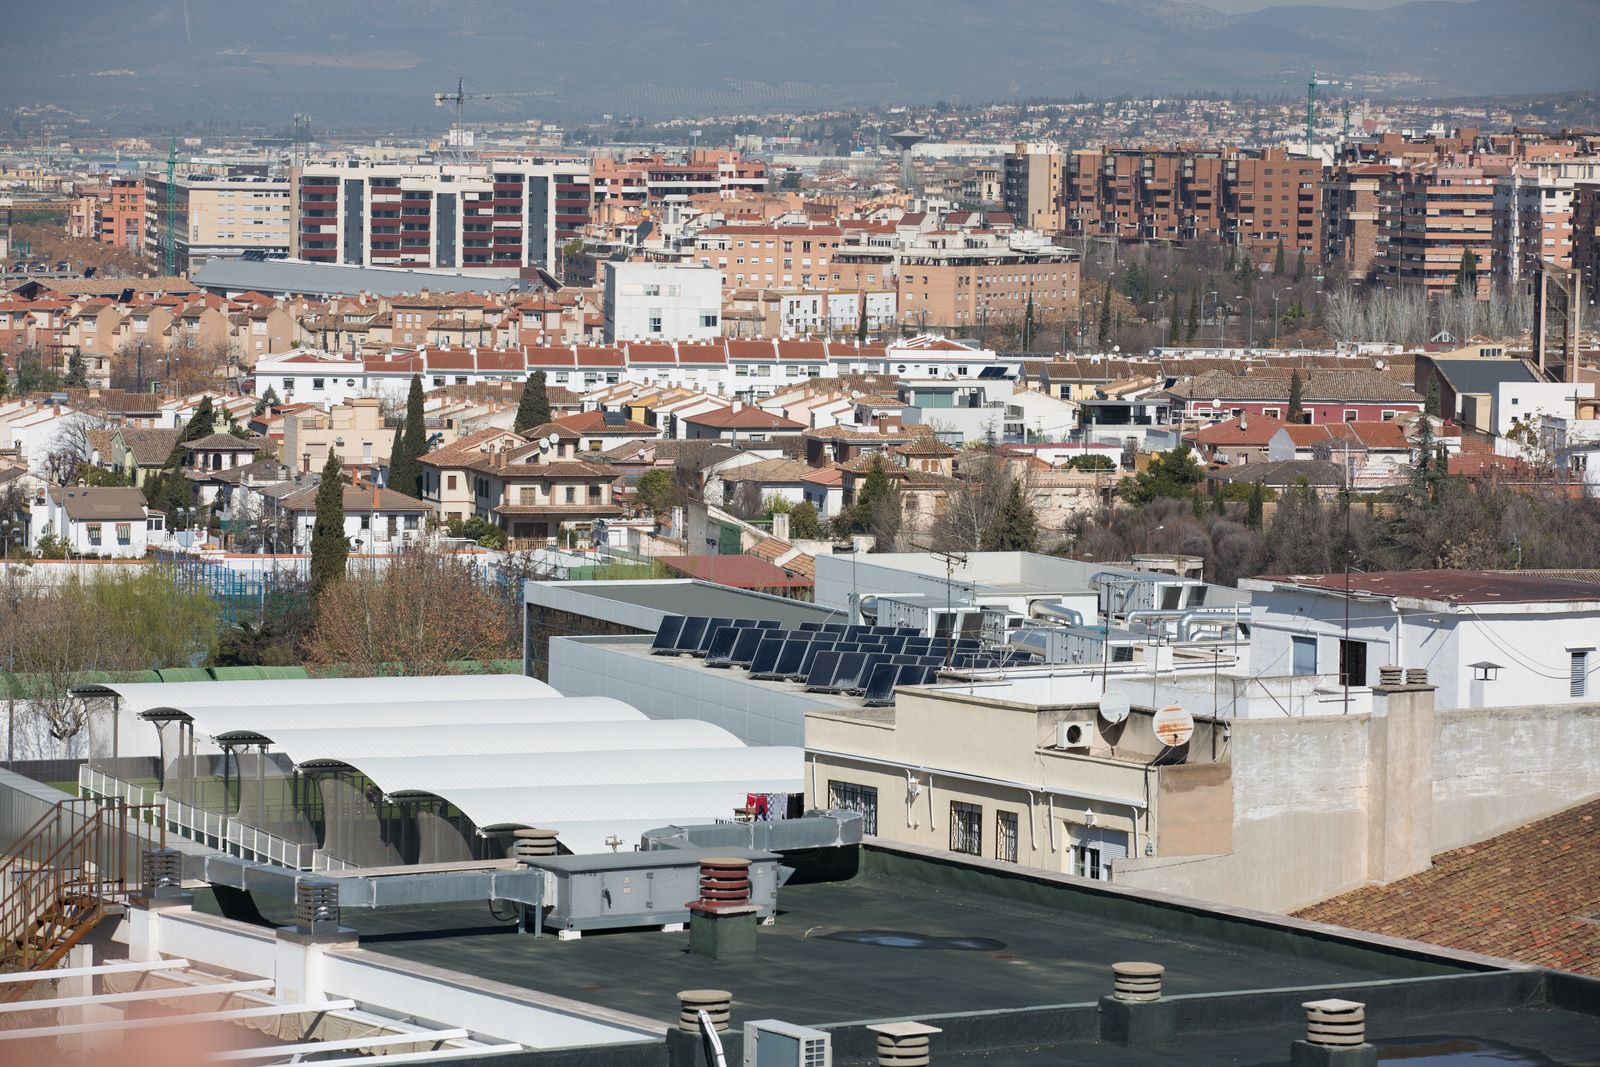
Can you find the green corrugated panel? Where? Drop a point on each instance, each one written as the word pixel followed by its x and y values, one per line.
pixel 139 676
pixel 184 674
pixel 240 674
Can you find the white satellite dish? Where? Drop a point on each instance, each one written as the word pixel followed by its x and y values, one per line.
pixel 1173 726
pixel 552 439
pixel 1114 707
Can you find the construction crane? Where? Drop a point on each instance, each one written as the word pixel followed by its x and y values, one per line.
pixel 1311 105
pixel 460 97
pixel 169 249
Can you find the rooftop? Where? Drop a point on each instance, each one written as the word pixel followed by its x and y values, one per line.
pixel 835 947
pixel 1531 895
pixel 1461 587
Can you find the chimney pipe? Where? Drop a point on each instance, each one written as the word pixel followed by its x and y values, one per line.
pixel 716 1003
pixel 1137 982
pixel 903 1044
pixel 533 841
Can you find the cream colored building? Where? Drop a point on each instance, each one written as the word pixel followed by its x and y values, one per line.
pixel 978 770
pixel 215 215
pixel 354 430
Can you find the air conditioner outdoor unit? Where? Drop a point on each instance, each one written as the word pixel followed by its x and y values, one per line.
pixel 1074 734
pixel 771 1043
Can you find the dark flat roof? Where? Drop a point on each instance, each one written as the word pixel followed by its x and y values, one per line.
pixel 687 597
pixel 1054 952
pixel 1466 587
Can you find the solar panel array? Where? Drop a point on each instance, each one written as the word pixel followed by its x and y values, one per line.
pixel 856 659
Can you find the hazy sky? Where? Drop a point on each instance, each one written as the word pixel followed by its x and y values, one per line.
pixel 1235 6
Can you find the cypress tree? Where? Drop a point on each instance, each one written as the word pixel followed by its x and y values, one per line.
pixel 534 410
pixel 203 423
pixel 1296 398
pixel 329 548
pixel 1258 499
pixel 1105 317
pixel 410 441
pixel 1172 326
pixel 1300 267
pixel 1466 283
pixel 1194 316
pixel 1277 261
pixel 77 374
pixel 1027 325
pixel 1430 406
pixel 861 323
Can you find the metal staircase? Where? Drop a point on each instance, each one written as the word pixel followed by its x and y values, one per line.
pixel 66 872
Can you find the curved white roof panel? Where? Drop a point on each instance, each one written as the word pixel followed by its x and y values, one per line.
pixel 445 775
pixel 371 719
pixel 278 692
pixel 497 739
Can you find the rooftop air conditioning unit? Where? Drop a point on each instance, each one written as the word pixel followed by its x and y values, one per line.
pixel 771 1043
pixel 1074 734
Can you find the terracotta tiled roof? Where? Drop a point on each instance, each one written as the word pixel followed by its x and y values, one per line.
pixel 1256 430
pixel 1529 895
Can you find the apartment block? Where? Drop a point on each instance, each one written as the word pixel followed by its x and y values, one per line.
pixel 1533 215
pixel 112 213
pixel 1255 200
pixel 1439 212
pixel 502 215
pixel 1586 235
pixel 772 256
pixel 661 301
pixel 1354 223
pixel 643 181
pixel 214 215
pixel 1032 186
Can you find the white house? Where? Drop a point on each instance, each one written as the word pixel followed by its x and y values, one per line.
pixel 35 430
pixel 972 410
pixel 376 520
pixel 1486 638
pixel 95 520
pixel 662 302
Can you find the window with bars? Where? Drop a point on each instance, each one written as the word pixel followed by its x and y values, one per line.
pixel 1005 836
pixel 966 828
pixel 862 799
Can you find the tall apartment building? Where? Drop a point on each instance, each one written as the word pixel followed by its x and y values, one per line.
pixel 112 213
pixel 1251 199
pixel 1031 186
pixel 1586 236
pixel 502 215
pixel 1355 226
pixel 1533 209
pixel 647 180
pixel 1439 211
pixel 216 216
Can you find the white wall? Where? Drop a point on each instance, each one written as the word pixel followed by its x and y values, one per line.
pixel 1532 649
pixel 656 301
pixel 1526 401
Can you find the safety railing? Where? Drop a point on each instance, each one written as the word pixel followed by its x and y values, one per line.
pixel 202 826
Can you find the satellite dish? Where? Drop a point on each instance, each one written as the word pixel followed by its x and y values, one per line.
pixel 1172 726
pixel 552 439
pixel 1114 707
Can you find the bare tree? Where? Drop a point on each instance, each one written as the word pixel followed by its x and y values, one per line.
pixel 72 446
pixel 421 613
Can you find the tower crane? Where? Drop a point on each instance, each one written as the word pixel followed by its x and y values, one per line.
pixel 460 97
pixel 1311 105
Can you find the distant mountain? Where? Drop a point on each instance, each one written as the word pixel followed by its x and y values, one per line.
pixel 379 61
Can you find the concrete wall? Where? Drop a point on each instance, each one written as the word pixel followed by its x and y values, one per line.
pixel 1325 804
pixel 1497 768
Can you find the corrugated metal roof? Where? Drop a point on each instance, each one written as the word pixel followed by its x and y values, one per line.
pixel 553 735
pixel 271 720
pixel 240 674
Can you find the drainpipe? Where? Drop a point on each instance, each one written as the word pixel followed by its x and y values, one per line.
pixel 1399 632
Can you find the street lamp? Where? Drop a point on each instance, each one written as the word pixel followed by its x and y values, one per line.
pixel 1252 341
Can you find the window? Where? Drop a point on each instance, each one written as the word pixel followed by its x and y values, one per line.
pixel 655 323
pixel 450 482
pixel 317 383
pixel 411 522
pixel 966 828
pixel 1580 673
pixel 93 532
pixel 1304 655
pixel 1352 662
pixel 1005 836
pixel 1095 850
pixel 709 322
pixel 1272 413
pixel 846 796
pixel 1351 414
pixel 572 494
